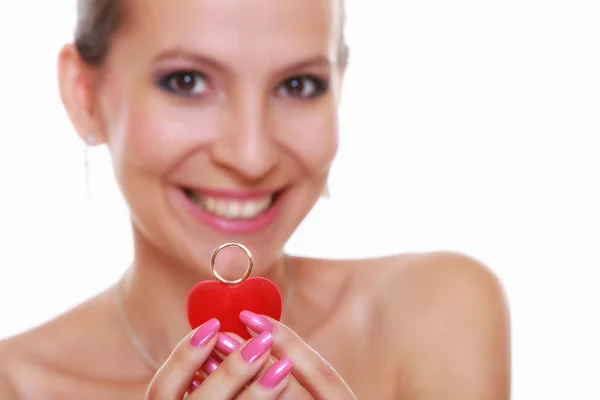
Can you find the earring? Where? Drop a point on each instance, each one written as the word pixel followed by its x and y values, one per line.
pixel 90 140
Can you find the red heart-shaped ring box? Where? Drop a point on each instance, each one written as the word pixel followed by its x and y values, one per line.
pixel 215 299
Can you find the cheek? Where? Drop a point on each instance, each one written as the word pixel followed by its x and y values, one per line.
pixel 313 137
pixel 150 139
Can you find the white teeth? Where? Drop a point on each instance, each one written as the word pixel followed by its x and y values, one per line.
pixel 233 209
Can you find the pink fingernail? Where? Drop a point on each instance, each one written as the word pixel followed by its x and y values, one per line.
pixel 226 344
pixel 194 385
pixel 257 347
pixel 210 365
pixel 276 373
pixel 256 322
pixel 205 332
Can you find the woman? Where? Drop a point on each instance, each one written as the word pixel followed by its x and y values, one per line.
pixel 221 120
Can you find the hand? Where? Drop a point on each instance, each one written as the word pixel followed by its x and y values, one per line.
pixel 226 374
pixel 313 377
pixel 231 379
pixel 310 370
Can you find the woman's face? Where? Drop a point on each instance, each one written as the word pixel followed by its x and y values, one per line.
pixel 221 119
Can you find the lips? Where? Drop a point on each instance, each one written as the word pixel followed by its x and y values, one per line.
pixel 231 208
pixel 233 211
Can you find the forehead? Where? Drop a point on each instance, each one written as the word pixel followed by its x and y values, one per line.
pixel 236 30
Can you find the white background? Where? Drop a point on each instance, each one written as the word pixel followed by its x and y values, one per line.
pixel 466 125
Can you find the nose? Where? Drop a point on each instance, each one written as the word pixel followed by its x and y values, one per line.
pixel 246 144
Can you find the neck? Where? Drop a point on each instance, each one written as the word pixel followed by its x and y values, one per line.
pixel 154 296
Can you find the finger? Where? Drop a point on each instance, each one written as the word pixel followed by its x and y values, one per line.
pixel 209 366
pixel 236 371
pixel 271 384
pixel 311 370
pixel 227 343
pixel 173 379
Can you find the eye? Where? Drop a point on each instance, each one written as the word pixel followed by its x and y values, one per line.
pixel 186 83
pixel 304 87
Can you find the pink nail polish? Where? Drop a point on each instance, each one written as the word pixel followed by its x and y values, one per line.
pixel 257 347
pixel 210 365
pixel 256 322
pixel 205 332
pixel 194 385
pixel 276 373
pixel 226 344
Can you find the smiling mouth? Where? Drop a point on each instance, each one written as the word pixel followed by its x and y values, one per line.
pixel 232 208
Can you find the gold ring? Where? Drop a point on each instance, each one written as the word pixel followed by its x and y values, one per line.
pixel 248 269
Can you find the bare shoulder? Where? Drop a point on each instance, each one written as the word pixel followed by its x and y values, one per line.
pixel 8 389
pixel 46 361
pixel 446 280
pixel 431 278
pixel 13 364
pixel 447 315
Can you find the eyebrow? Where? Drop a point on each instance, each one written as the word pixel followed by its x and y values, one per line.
pixel 315 61
pixel 180 53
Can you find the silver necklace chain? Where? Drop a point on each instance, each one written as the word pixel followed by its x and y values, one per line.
pixel 135 340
